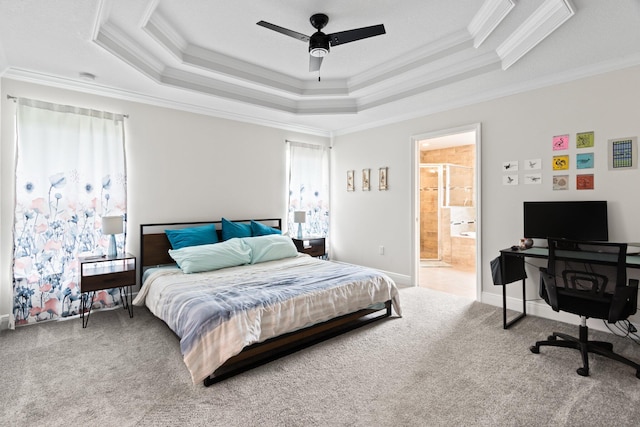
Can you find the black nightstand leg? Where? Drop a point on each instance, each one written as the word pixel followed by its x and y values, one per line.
pixel 127 300
pixel 83 308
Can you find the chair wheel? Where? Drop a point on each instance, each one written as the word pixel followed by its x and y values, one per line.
pixel 534 349
pixel 583 372
pixel 552 338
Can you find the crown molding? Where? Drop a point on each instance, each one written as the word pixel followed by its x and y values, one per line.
pixel 490 15
pixel 125 95
pixel 544 21
pixel 203 70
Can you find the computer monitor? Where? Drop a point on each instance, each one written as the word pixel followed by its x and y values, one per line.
pixel 573 220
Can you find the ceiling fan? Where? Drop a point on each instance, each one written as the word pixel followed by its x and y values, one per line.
pixel 319 42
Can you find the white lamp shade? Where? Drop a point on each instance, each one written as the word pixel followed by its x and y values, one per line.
pixel 299 217
pixel 112 224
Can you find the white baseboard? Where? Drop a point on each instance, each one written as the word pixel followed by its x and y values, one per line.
pixel 6 322
pixel 542 309
pixel 400 279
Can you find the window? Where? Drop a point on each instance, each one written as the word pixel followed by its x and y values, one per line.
pixel 308 166
pixel 70 172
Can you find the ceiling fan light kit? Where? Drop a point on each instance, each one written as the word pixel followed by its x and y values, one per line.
pixel 319 42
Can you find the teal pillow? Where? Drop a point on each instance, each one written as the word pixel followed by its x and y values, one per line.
pixel 193 236
pixel 258 229
pixel 232 229
pixel 194 259
pixel 270 247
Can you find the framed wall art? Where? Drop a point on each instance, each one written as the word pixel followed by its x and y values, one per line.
pixel 366 186
pixel 383 179
pixel 561 182
pixel 560 142
pixel 510 179
pixel 584 161
pixel 584 182
pixel 350 183
pixel 510 166
pixel 584 139
pixel 623 153
pixel 560 163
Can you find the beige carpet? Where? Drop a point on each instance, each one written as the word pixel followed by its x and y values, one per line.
pixel 447 362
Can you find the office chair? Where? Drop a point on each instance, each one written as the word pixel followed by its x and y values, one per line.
pixel 588 279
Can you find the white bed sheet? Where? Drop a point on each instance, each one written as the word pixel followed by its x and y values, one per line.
pixel 216 345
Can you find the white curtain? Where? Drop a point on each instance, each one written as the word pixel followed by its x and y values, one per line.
pixel 70 172
pixel 309 187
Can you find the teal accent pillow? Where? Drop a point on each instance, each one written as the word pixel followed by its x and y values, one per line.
pixel 270 248
pixel 258 229
pixel 193 236
pixel 195 259
pixel 232 229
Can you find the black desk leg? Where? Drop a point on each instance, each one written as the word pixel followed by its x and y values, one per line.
pixel 505 324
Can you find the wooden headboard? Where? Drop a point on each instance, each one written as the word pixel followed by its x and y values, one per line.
pixel 154 245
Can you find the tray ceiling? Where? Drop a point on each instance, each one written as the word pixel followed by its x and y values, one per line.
pixel 211 57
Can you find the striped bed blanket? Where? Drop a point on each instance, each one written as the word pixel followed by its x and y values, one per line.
pixel 218 313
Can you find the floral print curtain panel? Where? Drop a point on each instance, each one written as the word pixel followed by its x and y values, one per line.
pixel 70 172
pixel 309 187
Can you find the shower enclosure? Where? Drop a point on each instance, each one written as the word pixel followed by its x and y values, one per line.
pixel 446 208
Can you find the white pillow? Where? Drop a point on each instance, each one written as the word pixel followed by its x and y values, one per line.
pixel 194 259
pixel 270 247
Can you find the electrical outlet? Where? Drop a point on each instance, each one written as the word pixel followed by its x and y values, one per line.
pixel 381 250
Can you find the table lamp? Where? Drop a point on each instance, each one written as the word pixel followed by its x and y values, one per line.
pixel 112 225
pixel 299 217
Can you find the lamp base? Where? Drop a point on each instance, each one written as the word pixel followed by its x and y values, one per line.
pixel 299 230
pixel 113 249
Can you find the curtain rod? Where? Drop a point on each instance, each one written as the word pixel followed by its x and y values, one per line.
pixel 15 98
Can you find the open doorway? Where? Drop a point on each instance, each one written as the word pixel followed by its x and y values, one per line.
pixel 447 210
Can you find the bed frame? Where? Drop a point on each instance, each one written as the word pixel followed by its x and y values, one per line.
pixel 154 247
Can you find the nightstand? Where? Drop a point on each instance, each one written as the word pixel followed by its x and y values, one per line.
pixel 98 273
pixel 313 246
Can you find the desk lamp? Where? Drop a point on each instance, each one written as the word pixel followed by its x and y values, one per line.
pixel 112 225
pixel 299 217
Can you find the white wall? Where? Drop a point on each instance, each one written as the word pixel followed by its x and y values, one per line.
pixel 181 166
pixel 517 127
pixel 188 166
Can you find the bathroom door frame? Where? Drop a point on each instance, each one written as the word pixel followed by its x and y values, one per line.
pixel 415 199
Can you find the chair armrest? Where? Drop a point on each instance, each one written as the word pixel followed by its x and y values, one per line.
pixel 548 289
pixel 624 302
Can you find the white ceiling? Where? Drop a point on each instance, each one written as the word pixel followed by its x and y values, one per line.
pixel 210 57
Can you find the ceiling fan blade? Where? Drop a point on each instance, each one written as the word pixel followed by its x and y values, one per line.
pixel 314 63
pixel 356 34
pixel 284 31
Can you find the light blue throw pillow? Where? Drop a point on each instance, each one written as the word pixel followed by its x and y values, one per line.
pixel 270 248
pixel 232 229
pixel 193 236
pixel 258 229
pixel 195 259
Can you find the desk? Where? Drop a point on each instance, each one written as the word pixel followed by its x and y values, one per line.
pixel 512 270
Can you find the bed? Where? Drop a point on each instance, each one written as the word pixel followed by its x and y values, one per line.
pixel 247 298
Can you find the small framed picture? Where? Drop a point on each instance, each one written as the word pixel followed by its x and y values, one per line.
pixel 584 182
pixel 510 166
pixel 350 183
pixel 383 183
pixel 533 164
pixel 366 186
pixel 560 142
pixel 623 153
pixel 561 182
pixel 510 179
pixel 584 161
pixel 560 163
pixel 584 140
